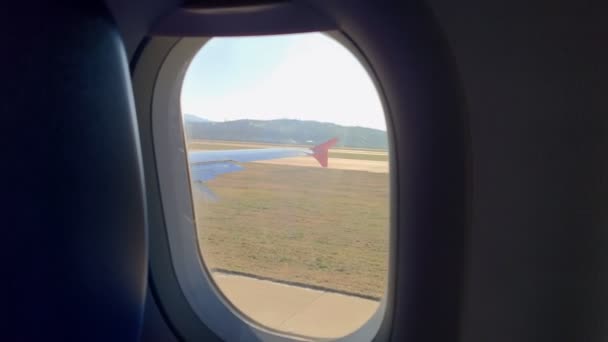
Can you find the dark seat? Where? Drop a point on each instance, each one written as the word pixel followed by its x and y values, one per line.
pixel 74 255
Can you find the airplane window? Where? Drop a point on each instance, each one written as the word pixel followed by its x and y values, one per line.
pixel 289 171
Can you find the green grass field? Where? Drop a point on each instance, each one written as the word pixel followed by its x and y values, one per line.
pixel 323 227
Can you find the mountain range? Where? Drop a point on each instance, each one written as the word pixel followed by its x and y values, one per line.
pixel 284 131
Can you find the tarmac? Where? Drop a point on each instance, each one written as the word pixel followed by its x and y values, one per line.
pixel 295 309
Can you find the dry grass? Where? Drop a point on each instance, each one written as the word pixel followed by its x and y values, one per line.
pixel 358 156
pixel 342 153
pixel 317 226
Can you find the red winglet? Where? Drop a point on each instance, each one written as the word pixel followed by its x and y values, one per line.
pixel 320 152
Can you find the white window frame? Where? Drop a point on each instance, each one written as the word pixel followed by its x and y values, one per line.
pixel 195 281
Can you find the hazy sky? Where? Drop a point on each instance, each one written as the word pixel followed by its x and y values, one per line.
pixel 300 76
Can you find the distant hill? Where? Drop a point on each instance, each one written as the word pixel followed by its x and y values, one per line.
pixel 194 118
pixel 284 131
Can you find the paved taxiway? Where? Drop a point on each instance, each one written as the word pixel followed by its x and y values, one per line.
pixel 296 309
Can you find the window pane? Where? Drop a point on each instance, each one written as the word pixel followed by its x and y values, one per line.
pixel 292 244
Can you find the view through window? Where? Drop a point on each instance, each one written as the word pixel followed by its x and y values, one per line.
pixel 288 156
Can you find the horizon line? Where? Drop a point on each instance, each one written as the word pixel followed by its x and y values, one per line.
pixel 324 122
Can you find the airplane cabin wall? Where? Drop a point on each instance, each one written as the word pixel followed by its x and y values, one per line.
pixel 535 81
pixel 535 75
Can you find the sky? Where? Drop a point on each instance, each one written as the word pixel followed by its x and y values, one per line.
pixel 298 76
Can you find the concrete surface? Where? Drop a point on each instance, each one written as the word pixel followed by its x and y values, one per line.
pixel 295 309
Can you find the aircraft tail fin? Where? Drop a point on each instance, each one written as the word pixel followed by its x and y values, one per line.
pixel 321 151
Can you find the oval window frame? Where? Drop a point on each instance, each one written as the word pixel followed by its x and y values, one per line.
pixel 206 300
